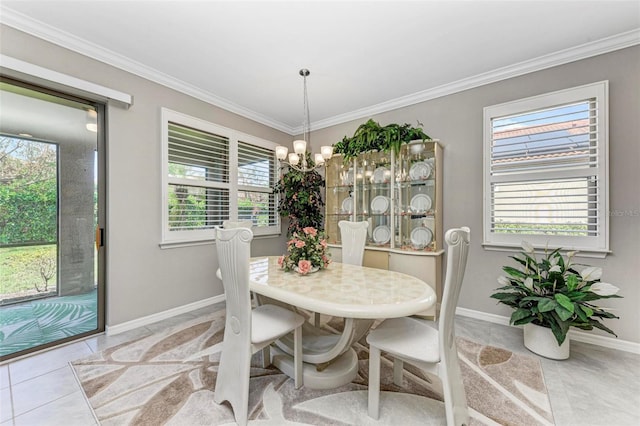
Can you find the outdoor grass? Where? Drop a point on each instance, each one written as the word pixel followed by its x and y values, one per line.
pixel 20 268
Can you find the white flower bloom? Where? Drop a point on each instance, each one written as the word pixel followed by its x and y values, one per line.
pixel 555 268
pixel 591 273
pixel 503 281
pixel 604 289
pixel 528 283
pixel 527 247
pixel 570 254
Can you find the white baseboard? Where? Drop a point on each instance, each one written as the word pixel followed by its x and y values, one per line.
pixel 149 319
pixel 578 336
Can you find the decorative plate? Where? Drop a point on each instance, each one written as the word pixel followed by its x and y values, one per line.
pixel 421 237
pixel 419 171
pixel 380 204
pixel 420 203
pixel 381 175
pixel 382 234
pixel 347 205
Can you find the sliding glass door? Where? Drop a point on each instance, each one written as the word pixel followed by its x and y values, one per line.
pixel 51 203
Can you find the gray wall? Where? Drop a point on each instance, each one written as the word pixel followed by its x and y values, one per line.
pixel 457 121
pixel 142 278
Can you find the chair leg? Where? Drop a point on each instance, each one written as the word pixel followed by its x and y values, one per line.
pixel 297 357
pixel 374 382
pixel 398 366
pixel 266 357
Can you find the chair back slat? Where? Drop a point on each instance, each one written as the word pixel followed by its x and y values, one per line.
pixel 353 236
pixel 457 240
pixel 233 247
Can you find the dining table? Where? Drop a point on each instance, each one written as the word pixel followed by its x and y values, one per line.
pixel 357 294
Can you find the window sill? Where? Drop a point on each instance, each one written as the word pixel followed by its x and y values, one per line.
pixel 597 254
pixel 192 243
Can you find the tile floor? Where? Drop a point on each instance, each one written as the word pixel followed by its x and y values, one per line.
pixel 596 386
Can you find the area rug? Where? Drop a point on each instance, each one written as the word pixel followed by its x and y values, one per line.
pixel 165 379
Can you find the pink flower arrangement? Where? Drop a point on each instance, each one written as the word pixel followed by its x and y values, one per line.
pixel 306 252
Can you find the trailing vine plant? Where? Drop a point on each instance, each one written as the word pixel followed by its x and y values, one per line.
pixel 371 136
pixel 301 198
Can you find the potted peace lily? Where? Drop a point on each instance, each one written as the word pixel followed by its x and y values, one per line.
pixel 550 295
pixel 307 252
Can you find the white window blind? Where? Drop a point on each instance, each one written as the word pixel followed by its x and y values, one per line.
pixel 197 162
pixel 256 179
pixel 212 174
pixel 546 170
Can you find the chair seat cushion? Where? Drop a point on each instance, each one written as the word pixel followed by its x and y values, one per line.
pixel 269 322
pixel 408 338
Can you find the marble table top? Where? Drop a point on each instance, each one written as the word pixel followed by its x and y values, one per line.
pixel 343 290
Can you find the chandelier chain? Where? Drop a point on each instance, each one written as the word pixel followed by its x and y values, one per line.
pixel 305 123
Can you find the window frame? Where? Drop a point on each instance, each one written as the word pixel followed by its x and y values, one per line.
pixel 199 236
pixel 588 245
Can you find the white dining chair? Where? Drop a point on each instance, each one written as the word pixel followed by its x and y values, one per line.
pixel 247 330
pixel 228 224
pixel 353 236
pixel 418 343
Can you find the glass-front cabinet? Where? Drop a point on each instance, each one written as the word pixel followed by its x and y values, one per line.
pixel 400 198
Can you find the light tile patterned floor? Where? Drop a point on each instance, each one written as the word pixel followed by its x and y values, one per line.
pixel 595 386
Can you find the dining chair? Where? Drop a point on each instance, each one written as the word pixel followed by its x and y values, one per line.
pixel 247 330
pixel 353 236
pixel 228 224
pixel 418 343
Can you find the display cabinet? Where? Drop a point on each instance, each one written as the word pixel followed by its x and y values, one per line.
pixel 400 197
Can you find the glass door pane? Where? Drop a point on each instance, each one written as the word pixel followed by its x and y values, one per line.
pixel 49 280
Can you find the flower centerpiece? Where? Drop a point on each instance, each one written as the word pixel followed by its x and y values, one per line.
pixel 307 252
pixel 554 292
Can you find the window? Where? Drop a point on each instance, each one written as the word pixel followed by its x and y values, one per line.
pixel 212 174
pixel 545 170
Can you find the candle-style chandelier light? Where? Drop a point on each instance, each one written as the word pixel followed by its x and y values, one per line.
pixel 298 158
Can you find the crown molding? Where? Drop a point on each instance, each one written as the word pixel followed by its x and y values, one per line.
pixel 63 39
pixel 584 51
pixel 48 33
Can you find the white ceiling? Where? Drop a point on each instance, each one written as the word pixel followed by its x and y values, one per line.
pixel 364 56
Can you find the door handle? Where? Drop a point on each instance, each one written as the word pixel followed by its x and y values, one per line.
pixel 99 238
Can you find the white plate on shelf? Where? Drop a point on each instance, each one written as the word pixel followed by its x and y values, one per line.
pixel 419 171
pixel 381 175
pixel 380 204
pixel 381 234
pixel 420 203
pixel 421 237
pixel 347 205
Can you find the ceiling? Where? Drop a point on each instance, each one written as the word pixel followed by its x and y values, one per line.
pixel 365 57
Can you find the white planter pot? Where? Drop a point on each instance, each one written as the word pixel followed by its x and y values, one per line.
pixel 540 340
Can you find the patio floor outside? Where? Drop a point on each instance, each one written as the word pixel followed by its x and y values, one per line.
pixel 37 322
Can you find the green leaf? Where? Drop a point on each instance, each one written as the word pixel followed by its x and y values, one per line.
pixel 564 301
pixel 511 297
pixel 563 313
pixel 514 272
pixel 546 305
pixel 519 314
pixel 572 282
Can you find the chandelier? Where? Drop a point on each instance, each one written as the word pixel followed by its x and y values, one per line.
pixel 298 158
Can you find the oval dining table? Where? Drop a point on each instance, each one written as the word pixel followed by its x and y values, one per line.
pixel 358 294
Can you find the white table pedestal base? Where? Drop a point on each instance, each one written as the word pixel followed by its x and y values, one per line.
pixel 339 372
